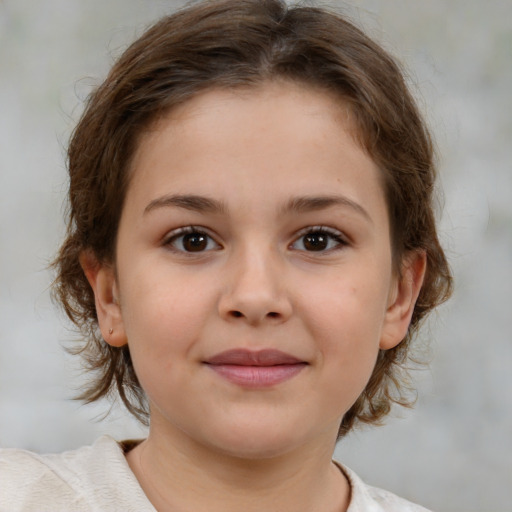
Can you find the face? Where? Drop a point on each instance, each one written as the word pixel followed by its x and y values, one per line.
pixel 253 281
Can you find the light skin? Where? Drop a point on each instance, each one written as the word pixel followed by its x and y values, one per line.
pixel 253 221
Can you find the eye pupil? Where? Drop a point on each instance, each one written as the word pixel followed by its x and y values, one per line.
pixel 315 242
pixel 195 242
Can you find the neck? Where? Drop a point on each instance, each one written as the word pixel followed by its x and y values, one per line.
pixel 180 476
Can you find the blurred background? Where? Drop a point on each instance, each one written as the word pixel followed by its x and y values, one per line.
pixel 453 451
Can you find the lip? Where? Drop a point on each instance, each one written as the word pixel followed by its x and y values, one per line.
pixel 255 369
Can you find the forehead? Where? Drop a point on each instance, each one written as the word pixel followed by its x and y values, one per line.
pixel 280 132
pixel 311 98
pixel 300 105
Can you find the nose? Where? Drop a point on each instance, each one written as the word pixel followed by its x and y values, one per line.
pixel 255 290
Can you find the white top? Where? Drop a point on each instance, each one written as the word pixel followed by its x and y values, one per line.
pixel 97 478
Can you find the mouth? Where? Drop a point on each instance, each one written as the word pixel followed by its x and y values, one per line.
pixel 255 369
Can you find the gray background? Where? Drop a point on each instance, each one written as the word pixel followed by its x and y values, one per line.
pixel 453 452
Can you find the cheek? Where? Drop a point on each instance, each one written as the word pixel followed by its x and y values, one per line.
pixel 346 310
pixel 163 330
pixel 346 324
pixel 163 317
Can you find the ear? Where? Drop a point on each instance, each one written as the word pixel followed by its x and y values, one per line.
pixel 403 298
pixel 102 279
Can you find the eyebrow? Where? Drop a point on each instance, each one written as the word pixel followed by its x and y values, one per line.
pixel 315 203
pixel 302 204
pixel 191 202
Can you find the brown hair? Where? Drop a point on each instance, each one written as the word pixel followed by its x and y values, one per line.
pixel 233 43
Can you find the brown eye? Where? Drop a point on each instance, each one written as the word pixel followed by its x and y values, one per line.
pixel 315 242
pixel 319 240
pixel 190 240
pixel 195 242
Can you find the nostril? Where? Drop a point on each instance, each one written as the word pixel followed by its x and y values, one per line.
pixel 239 314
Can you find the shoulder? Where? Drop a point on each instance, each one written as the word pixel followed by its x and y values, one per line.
pixel 90 478
pixel 33 482
pixel 372 499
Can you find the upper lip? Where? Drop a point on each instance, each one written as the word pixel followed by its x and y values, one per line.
pixel 244 357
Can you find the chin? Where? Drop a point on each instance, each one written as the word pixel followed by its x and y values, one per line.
pixel 256 451
pixel 257 443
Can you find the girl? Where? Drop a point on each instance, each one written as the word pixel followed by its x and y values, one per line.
pixel 251 247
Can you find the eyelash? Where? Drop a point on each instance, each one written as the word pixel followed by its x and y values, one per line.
pixel 330 233
pixel 188 230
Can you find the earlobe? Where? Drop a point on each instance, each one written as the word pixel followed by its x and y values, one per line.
pixel 403 299
pixel 102 279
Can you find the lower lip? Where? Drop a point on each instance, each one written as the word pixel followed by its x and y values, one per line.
pixel 257 376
